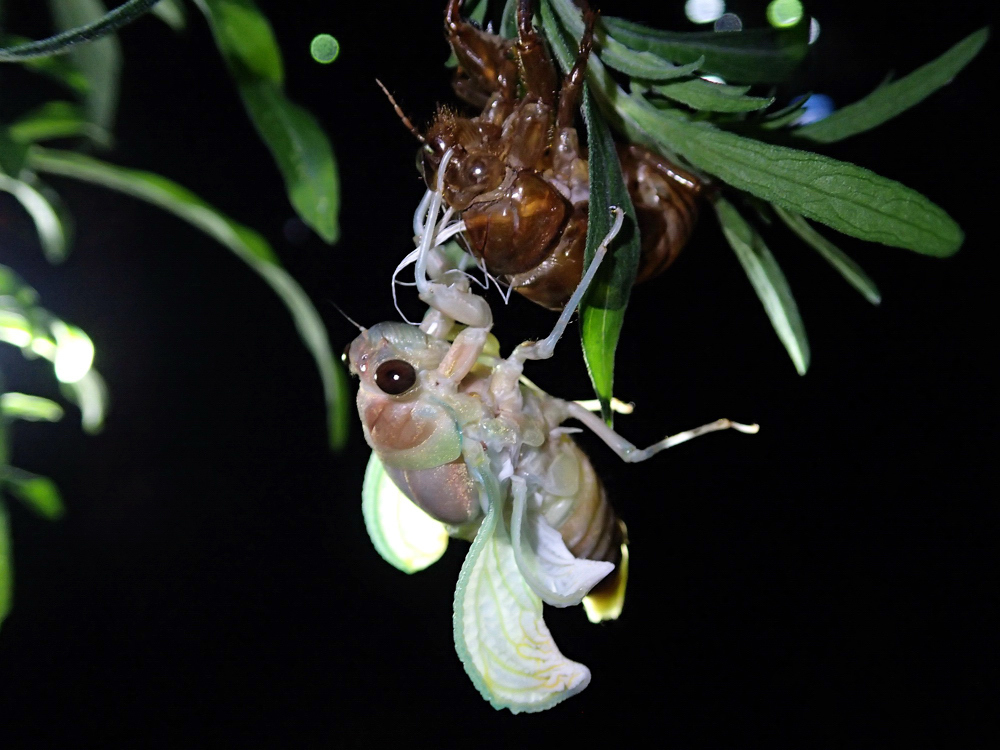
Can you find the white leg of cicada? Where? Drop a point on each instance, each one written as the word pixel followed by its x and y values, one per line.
pixel 546 347
pixel 628 452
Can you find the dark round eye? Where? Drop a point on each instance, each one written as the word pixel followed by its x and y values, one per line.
pixel 395 377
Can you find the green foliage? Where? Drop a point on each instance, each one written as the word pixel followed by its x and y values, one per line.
pixel 247 244
pixel 768 282
pixel 37 493
pixel 602 310
pixel 298 145
pixel 894 98
pixel 6 566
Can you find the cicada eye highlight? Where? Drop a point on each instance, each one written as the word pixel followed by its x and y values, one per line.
pixel 395 377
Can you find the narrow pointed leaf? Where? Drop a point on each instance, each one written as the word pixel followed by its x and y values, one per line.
pixel 751 56
pixel 893 98
pixel 6 566
pixel 645 65
pixel 298 145
pixel 849 198
pixel 602 311
pixel 38 493
pixel 171 12
pixel 403 534
pixel 56 67
pixel 30 408
pixel 508 20
pixel 768 282
pixel 841 262
pixel 100 60
pixel 90 395
pixel 247 244
pixel 700 94
pixel 500 635
pixel 48 223
pixel 57 120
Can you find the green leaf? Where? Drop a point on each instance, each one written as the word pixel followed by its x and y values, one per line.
pixel 57 119
pixel 12 154
pixel 48 223
pixel 752 56
pixel 29 408
pixel 56 67
pixel 402 533
pixel 90 394
pixel 99 60
pixel 768 282
pixel 247 244
pixel 303 154
pixel 38 493
pixel 294 138
pixel 841 262
pixel 644 65
pixel 848 198
pixel 500 634
pixel 172 13
pixel 508 21
pixel 602 310
pixel 893 98
pixel 700 94
pixel 6 566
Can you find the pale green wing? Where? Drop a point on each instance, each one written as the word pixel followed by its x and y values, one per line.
pixel 500 635
pixel 404 535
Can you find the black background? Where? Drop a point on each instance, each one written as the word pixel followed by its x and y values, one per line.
pixel 825 583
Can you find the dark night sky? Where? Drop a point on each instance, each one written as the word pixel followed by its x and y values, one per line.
pixel 824 583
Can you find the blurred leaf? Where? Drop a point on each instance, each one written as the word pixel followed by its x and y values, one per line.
pixel 90 395
pixel 6 566
pixel 768 281
pixel 508 21
pixel 297 143
pixel 12 154
pixel 247 244
pixel 698 93
pixel 99 60
pixel 55 67
pixel 171 12
pixel 751 56
pixel 74 352
pixel 29 408
pixel 893 98
pixel 851 199
pixel 48 223
pixel 614 54
pixel 38 493
pixel 56 119
pixel 602 310
pixel 842 263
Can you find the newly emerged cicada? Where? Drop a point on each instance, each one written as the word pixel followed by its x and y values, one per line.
pixel 518 174
pixel 464 446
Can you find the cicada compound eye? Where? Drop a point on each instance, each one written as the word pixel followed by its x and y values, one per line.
pixel 395 377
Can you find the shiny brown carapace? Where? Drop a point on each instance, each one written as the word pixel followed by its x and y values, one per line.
pixel 518 174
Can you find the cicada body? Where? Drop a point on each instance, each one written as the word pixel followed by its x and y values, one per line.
pixel 518 174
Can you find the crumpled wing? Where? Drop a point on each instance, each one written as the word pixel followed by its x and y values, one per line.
pixel 500 635
pixel 403 534
pixel 551 570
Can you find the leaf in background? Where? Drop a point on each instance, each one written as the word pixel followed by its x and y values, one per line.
pixel 6 566
pixel 752 56
pixel 38 493
pixel 99 60
pixel 56 67
pixel 768 281
pixel 172 13
pixel 698 93
pixel 90 395
pixel 56 120
pixel 294 138
pixel 29 408
pixel 602 310
pixel 247 244
pixel 841 262
pixel 615 55
pixel 12 154
pixel 48 223
pixel 893 98
pixel 508 21
pixel 849 198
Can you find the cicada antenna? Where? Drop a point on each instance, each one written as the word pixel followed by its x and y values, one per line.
pixel 348 318
pixel 402 115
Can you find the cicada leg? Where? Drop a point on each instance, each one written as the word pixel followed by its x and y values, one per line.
pixel 485 67
pixel 538 74
pixel 572 85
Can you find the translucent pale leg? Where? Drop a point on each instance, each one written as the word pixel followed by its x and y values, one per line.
pixel 628 452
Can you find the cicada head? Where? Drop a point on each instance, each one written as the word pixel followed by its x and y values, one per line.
pixel 402 422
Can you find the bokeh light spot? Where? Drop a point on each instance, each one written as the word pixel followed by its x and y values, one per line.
pixel 729 22
pixel 324 48
pixel 704 11
pixel 783 13
pixel 813 30
pixel 816 108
